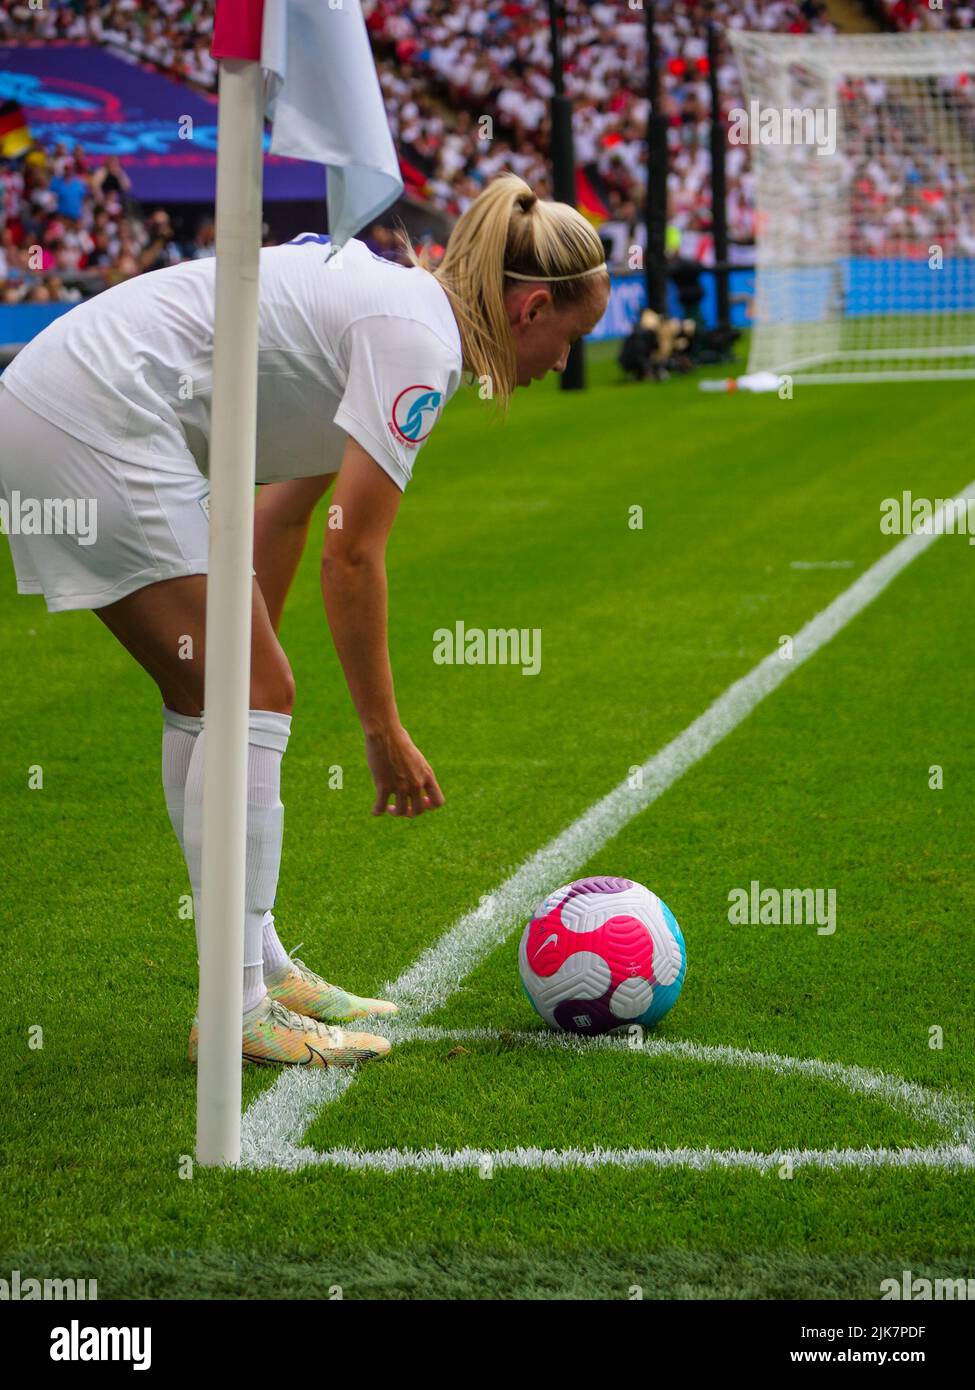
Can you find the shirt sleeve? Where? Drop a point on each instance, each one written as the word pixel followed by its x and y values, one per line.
pixel 399 378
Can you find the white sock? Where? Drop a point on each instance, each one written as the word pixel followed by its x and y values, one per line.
pixel 268 734
pixel 276 957
pixel 254 987
pixel 267 740
pixel 180 732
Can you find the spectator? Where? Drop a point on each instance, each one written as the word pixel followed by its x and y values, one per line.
pixel 111 178
pixel 70 190
pixel 161 249
pixel 205 243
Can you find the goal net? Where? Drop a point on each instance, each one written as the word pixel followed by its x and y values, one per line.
pixel 863 160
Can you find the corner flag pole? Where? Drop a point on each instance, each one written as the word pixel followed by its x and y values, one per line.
pixel 309 66
pixel 233 437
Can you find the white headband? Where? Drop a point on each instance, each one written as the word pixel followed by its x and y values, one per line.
pixel 514 275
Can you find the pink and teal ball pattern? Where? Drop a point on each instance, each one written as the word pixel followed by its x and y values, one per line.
pixel 602 953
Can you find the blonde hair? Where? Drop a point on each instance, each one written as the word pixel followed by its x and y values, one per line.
pixel 507 236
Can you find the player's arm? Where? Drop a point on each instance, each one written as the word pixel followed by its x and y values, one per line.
pixel 282 512
pixel 355 593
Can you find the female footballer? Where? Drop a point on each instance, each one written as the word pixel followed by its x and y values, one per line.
pixel 357 357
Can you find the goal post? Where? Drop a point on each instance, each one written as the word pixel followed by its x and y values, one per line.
pixel 863 164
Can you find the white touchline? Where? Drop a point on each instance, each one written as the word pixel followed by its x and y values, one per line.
pixel 274 1124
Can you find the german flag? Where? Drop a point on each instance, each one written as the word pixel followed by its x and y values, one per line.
pixel 589 202
pixel 15 137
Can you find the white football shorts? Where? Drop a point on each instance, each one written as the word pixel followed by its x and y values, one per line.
pixel 85 529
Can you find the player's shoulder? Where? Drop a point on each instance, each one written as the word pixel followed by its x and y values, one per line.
pixel 383 302
pixel 420 321
pixel 408 326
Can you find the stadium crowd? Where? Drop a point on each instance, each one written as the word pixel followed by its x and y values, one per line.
pixel 466 85
pixel 914 16
pixel 172 34
pixel 493 60
pixel 69 227
pixel 444 65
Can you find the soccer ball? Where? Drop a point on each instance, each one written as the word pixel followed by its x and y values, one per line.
pixel 601 953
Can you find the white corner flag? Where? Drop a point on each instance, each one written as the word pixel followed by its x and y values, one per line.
pixel 322 96
pixel 325 103
pixel 309 64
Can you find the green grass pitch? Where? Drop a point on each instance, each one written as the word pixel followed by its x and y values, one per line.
pixel 825 784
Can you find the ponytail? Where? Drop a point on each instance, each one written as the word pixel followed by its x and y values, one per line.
pixel 509 235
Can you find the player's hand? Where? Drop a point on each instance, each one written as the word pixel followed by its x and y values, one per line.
pixel 399 769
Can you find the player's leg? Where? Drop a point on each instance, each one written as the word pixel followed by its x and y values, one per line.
pixel 164 627
pixel 142 522
pixel 153 624
pixel 282 513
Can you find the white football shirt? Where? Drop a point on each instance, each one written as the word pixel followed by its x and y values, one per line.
pixel 347 345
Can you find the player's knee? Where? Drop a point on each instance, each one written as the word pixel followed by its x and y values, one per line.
pixel 273 690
